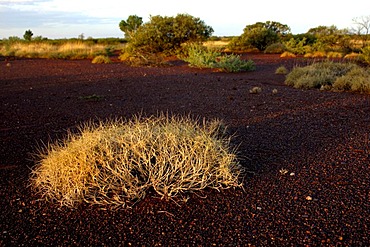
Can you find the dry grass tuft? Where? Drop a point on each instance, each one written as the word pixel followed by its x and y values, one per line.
pixel 101 59
pixel 255 90
pixel 288 54
pixel 281 70
pixel 116 162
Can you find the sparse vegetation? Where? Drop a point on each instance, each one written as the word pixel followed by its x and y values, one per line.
pixel 101 59
pixel 330 75
pixel 282 70
pixel 117 162
pixel 255 90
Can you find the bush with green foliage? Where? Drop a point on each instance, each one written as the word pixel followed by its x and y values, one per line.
pixel 167 34
pixel 297 46
pixel 117 162
pixel 204 57
pixel 260 35
pixel 276 48
pixel 329 75
pixel 28 35
pixel 130 26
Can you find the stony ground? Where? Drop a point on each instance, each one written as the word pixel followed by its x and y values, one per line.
pixel 307 153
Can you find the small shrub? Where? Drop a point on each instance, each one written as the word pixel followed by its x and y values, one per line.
pixel 200 56
pixel 255 90
pixel 281 70
pixel 204 57
pixel 288 54
pixel 101 59
pixel 117 162
pixel 276 48
pixel 233 63
pixel 138 58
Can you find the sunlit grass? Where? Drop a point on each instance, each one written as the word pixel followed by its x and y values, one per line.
pixel 116 162
pixel 67 50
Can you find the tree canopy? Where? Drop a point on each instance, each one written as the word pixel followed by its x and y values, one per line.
pixel 130 26
pixel 262 34
pixel 165 34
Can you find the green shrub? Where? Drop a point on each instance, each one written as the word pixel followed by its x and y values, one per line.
pixel 101 59
pixel 167 34
pixel 233 63
pixel 276 48
pixel 117 162
pixel 200 56
pixel 204 57
pixel 321 75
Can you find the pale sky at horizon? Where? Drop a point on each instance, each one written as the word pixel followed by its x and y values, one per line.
pixel 70 18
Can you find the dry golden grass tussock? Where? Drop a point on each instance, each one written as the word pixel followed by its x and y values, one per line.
pixel 47 50
pixel 116 162
pixel 287 54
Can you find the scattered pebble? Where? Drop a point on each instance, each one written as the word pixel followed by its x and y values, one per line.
pixel 309 198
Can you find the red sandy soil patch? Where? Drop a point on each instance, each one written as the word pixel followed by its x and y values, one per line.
pixel 320 138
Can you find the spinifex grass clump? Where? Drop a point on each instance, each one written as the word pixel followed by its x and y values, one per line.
pixel 330 75
pixel 116 162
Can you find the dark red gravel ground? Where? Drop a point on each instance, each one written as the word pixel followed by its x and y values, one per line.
pixel 320 138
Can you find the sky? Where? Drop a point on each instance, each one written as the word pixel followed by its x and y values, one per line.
pixel 56 19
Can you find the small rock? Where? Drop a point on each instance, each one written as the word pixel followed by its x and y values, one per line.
pixel 309 198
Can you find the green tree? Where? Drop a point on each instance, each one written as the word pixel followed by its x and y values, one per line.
pixel 262 34
pixel 166 34
pixel 28 35
pixel 329 37
pixel 130 26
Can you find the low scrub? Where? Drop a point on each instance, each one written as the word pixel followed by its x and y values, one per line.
pixel 204 57
pixel 137 57
pixel 329 75
pixel 101 59
pixel 117 162
pixel 276 48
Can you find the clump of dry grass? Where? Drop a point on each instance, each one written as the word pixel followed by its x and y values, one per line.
pixel 116 162
pixel 101 59
pixel 288 54
pixel 255 90
pixel 282 70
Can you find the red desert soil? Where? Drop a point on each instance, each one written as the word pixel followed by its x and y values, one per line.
pixel 320 138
